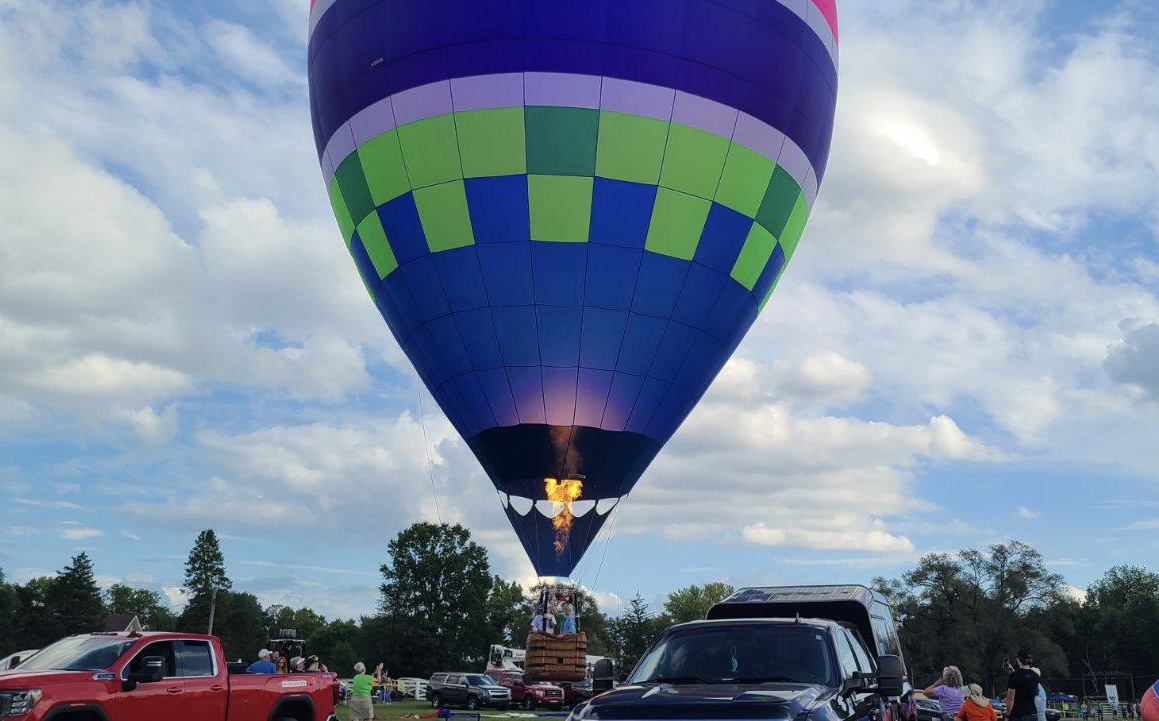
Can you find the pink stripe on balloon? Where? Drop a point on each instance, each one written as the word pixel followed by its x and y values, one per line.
pixel 828 8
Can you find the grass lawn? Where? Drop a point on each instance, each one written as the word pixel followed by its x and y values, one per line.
pixel 400 709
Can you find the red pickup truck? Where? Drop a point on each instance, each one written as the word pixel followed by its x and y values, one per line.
pixel 170 676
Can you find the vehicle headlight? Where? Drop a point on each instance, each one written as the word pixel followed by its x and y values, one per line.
pixel 21 702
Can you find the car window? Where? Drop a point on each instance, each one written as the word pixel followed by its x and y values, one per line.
pixel 863 660
pixel 196 659
pixel 845 654
pixel 438 678
pixel 78 653
pixel 164 649
pixel 732 652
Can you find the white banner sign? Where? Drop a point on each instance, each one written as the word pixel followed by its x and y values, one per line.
pixel 1112 694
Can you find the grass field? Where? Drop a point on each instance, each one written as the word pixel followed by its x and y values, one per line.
pixel 401 709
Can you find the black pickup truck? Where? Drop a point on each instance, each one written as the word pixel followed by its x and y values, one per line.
pixel 801 653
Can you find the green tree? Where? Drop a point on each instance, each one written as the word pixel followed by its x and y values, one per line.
pixel 973 609
pixel 1122 622
pixel 37 625
pixel 240 624
pixel 10 612
pixel 204 575
pixel 635 630
pixel 334 643
pixel 434 594
pixel 151 611
pixel 507 621
pixel 76 599
pixel 692 602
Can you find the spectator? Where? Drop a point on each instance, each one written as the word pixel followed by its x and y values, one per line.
pixel 537 623
pixel 1022 690
pixel 282 665
pixel 1083 710
pixel 361 707
pixel 976 707
pixel 1040 697
pixel 948 691
pixel 314 665
pixel 297 665
pixel 262 665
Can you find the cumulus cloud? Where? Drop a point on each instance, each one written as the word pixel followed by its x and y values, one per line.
pixel 954 300
pixel 1026 514
pixel 1134 360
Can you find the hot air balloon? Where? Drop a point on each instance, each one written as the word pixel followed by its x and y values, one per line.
pixel 569 212
pixel 1149 707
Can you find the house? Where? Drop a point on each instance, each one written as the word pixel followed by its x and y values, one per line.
pixel 118 622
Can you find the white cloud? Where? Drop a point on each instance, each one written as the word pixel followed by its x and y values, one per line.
pixel 1134 360
pixel 248 57
pixel 1026 514
pixel 74 531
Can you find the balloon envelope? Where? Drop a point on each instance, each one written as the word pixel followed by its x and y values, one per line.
pixel 570 211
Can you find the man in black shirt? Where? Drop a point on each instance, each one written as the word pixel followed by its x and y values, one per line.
pixel 1021 690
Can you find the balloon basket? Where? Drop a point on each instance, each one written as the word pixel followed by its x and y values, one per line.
pixel 556 658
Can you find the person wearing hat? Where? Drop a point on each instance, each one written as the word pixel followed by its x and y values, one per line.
pixel 263 664
pixel 976 707
pixel 1022 689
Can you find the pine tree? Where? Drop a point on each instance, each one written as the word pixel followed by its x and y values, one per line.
pixel 205 568
pixel 77 604
pixel 204 574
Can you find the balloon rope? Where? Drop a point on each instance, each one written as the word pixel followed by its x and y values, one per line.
pixel 427 451
pixel 611 532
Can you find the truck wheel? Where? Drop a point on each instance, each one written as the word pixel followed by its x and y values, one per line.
pixel 472 703
pixel 529 702
pixel 436 702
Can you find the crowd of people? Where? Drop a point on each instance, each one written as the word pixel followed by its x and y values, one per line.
pixel 1025 697
pixel 556 613
pixel 273 662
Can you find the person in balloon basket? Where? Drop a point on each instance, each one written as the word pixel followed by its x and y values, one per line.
pixel 1022 689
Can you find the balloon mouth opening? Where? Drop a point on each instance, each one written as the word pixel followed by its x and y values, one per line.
pixel 522 506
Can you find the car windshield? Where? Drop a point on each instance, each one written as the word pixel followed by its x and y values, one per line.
pixel 78 653
pixel 481 680
pixel 749 654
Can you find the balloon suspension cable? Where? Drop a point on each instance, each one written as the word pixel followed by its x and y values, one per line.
pixel 608 542
pixel 427 451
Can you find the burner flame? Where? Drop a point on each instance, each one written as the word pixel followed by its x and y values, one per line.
pixel 562 494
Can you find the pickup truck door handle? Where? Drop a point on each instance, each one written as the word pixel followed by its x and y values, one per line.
pixel 218 687
pixel 173 689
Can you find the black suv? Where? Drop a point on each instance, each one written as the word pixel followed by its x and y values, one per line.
pixel 473 690
pixel 773 653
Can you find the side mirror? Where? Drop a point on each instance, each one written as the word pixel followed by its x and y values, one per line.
pixel 603 676
pixel 152 670
pixel 857 682
pixel 890 675
pixel 621 677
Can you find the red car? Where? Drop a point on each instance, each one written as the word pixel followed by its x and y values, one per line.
pixel 176 677
pixel 529 695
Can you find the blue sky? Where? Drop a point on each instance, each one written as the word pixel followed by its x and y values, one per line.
pixel 965 349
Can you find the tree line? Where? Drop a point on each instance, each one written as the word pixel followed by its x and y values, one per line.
pixel 440 607
pixel 973 609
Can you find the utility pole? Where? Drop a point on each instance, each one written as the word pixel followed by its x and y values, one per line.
pixel 212 609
